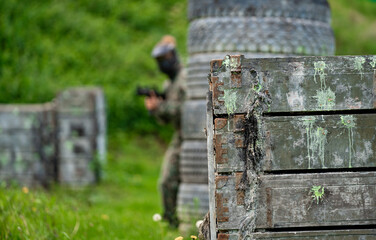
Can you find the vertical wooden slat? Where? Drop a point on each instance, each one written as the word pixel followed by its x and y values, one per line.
pixel 211 165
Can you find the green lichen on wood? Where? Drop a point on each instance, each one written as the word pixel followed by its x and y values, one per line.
pixel 320 70
pixel 226 61
pixel 69 145
pixel 325 96
pixel 257 88
pixel 230 62
pixel 230 98
pixel 316 141
pixel 373 62
pixel 308 123
pixel 318 144
pixel 349 122
pixel 358 65
pixel 317 193
pixel 325 99
pixel 29 122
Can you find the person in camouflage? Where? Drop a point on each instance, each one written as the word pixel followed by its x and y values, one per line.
pixel 168 110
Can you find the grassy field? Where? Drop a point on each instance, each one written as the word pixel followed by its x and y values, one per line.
pixel 121 207
pixel 49 45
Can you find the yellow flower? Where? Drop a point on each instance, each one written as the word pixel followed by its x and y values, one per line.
pixel 34 209
pixel 25 190
pixel 193 237
pixel 179 238
pixel 105 217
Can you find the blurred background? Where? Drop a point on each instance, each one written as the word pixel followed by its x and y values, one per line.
pixel 47 46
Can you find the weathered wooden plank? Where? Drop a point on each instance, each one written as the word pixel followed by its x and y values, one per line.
pixel 313 142
pixel 294 84
pixel 25 168
pixel 229 143
pixel 70 127
pixel 71 148
pixel 288 201
pixel 256 134
pixel 232 203
pixel 16 118
pixel 317 142
pixel 76 171
pixel 364 234
pixel 25 140
pixel 211 166
pixel 353 234
pixel 80 101
pixel 328 199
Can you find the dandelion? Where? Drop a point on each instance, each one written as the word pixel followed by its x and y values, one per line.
pixel 193 237
pixel 157 217
pixel 198 223
pixel 105 217
pixel 25 190
pixel 179 238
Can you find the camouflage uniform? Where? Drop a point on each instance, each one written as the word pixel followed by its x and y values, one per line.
pixel 169 112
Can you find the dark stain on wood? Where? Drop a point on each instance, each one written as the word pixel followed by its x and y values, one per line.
pixel 222 210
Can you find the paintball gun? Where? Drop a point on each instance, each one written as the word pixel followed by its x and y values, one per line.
pixel 145 91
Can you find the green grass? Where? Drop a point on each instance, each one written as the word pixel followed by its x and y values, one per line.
pixel 121 207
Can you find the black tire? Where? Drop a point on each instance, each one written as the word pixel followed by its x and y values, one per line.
pixel 262 35
pixel 193 202
pixel 194 119
pixel 316 10
pixel 194 164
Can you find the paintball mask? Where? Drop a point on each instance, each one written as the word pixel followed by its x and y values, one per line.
pixel 165 54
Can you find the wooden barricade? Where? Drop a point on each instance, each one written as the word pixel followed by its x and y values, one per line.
pixel 63 140
pixel 291 146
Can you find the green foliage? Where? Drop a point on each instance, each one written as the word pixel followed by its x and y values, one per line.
pixel 51 45
pixel 354 24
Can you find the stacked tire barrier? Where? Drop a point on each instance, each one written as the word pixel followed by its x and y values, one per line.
pixel 254 28
pixel 63 141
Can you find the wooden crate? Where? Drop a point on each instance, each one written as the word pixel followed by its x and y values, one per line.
pixel 291 148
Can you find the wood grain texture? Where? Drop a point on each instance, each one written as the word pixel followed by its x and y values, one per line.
pixel 211 166
pixel 274 120
pixel 348 199
pixel 229 212
pixel 229 142
pixel 319 142
pixel 297 84
pixel 286 201
pixel 301 142
pixel 366 234
pixel 353 234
